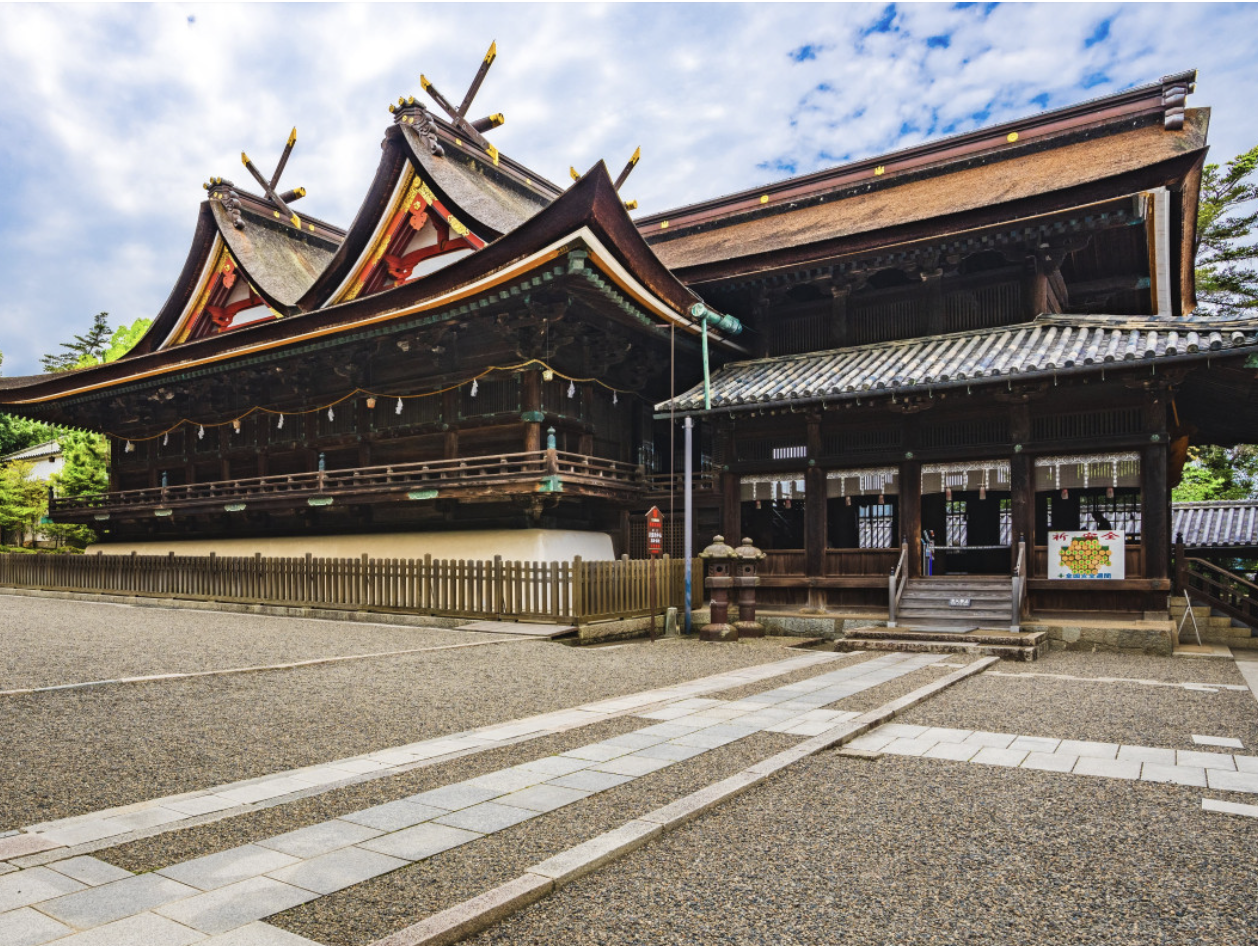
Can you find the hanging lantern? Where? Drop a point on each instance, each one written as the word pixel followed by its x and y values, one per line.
pixel 398 409
pixel 948 494
pixel 1109 492
pixel 371 403
pixel 200 431
pixel 129 448
pixel 881 501
pixel 1065 493
pixel 982 492
pixel 572 390
pixel 548 375
pixel 331 414
pixel 236 426
pixel 475 387
pixel 847 500
pixel 279 424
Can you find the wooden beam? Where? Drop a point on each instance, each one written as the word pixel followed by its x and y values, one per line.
pixel 911 513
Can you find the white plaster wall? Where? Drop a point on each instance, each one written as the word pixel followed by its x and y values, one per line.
pixel 528 545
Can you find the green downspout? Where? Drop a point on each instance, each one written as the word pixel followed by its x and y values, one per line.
pixel 726 324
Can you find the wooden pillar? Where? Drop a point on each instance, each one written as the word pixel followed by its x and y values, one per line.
pixel 450 413
pixel 363 426
pixel 531 410
pixel 814 505
pixel 1155 526
pixel 838 315
pixel 732 508
pixel 911 513
pixel 224 434
pixel 1034 289
pixel 1021 485
pixel 934 301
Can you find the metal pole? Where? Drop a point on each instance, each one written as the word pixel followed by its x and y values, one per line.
pixel 689 514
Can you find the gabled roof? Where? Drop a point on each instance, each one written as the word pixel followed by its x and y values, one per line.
pixel 276 259
pixel 1217 524
pixel 1137 139
pixel 480 196
pixel 1052 344
pixel 587 229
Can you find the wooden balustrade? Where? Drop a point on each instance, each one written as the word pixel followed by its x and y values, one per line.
pixel 577 592
pixel 464 472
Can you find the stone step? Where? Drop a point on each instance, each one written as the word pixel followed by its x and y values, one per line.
pixel 1004 651
pixel 960 581
pixel 901 633
pixel 964 615
pixel 943 599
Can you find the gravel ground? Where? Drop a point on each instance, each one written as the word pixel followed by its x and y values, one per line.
pixel 1171 670
pixel 162 850
pixel 916 851
pixel 77 751
pixel 1126 713
pixel 48 641
pixel 367 911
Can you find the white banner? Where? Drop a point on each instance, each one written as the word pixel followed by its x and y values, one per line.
pixel 1087 555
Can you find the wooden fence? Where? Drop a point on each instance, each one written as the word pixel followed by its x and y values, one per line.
pixel 576 592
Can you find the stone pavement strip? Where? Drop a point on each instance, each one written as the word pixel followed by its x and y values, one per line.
pixel 85 833
pixel 221 892
pixel 1217 770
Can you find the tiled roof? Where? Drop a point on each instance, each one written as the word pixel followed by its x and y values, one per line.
pixel 1049 344
pixel 49 449
pixel 1219 524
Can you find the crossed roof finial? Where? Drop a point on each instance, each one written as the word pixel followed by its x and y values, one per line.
pixel 279 201
pixel 458 116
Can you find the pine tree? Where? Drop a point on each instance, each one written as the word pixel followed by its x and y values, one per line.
pixel 1227 257
pixel 88 348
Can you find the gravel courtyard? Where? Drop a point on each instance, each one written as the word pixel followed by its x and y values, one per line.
pixel 902 845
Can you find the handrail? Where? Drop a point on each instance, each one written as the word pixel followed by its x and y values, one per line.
pixel 1221 589
pixel 530 464
pixel 895 583
pixel 1019 586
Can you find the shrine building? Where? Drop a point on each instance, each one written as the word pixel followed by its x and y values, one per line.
pixel 932 361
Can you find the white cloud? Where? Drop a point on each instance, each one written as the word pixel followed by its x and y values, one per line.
pixel 115 115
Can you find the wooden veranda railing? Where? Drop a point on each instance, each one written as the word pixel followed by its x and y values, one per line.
pixel 576 592
pixel 429 476
pixel 1208 584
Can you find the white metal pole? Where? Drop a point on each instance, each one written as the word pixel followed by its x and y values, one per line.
pixel 688 491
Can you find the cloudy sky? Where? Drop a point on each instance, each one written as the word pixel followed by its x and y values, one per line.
pixel 113 116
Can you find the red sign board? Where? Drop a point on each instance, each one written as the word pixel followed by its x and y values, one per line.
pixel 655 531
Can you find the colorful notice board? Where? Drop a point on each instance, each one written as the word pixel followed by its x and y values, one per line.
pixel 1087 554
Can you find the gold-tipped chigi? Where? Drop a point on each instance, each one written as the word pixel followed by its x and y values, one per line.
pixel 572 172
pixel 292 137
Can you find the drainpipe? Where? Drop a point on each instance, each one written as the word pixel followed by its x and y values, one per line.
pixel 688 542
pixel 726 324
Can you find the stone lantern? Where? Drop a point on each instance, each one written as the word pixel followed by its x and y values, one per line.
pixel 746 557
pixel 719 558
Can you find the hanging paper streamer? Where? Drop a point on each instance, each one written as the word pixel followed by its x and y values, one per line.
pixel 279 424
pixel 129 448
pixel 475 387
pixel 572 390
pixel 331 415
pixel 201 432
pixel 398 409
pixel 166 439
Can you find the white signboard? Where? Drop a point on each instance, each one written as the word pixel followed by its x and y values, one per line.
pixel 1100 554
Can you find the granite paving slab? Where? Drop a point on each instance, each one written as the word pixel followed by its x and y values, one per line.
pixel 144 929
pixel 88 870
pixel 486 818
pixel 226 908
pixel 27 927
pixel 337 870
pixel 322 838
pixel 25 887
pixel 421 841
pixel 98 906
pixel 228 867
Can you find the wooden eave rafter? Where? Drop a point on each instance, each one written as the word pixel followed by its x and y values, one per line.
pixel 1147 103
pixel 589 216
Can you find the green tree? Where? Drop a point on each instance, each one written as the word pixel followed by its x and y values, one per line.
pixel 86 467
pixel 1226 254
pixel 23 501
pixel 89 347
pixel 1219 473
pixel 123 340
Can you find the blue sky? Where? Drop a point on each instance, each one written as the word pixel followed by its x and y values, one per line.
pixel 113 116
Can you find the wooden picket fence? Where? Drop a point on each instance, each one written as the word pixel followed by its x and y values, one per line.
pixel 576 592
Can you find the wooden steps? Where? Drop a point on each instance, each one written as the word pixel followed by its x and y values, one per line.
pixel 926 602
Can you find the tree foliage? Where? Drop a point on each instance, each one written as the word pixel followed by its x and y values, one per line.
pixel 1219 473
pixel 23 499
pixel 1227 254
pixel 89 347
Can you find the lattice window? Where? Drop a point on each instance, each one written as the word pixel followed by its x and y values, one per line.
pixel 1006 522
pixel 172 443
pixel 958 524
pixel 984 307
pixel 1089 425
pixel 492 397
pixel 338 419
pixel 770 448
pixel 874 526
pixel 555 399
pixel 882 321
pixel 789 336
pixel 415 412
pixel 881 440
pixel 1120 512
pixel 957 433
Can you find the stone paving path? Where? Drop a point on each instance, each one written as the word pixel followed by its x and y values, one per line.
pixel 218 899
pixel 113 825
pixel 1217 770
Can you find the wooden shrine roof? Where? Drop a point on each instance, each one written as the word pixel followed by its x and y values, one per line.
pixel 586 231
pixel 1219 524
pixel 1030 172
pixel 1051 344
